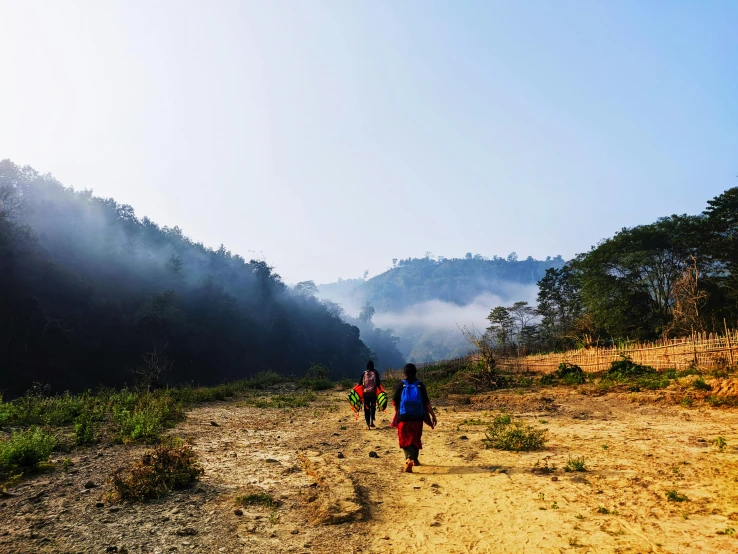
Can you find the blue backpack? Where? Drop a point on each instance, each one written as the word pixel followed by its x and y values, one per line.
pixel 411 401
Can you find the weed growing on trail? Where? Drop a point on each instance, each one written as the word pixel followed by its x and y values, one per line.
pixel 155 474
pixel 605 447
pixel 686 402
pixel 672 495
pixel 67 464
pixel 505 434
pixel 579 516
pixel 25 450
pixel 573 541
pixel 84 430
pixel 720 443
pixel 257 499
pixel 544 469
pixel 555 505
pixel 730 531
pixel 602 510
pixel 575 464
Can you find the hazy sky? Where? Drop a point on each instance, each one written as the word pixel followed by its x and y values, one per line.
pixel 333 136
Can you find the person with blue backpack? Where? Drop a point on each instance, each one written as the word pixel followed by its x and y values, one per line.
pixel 412 409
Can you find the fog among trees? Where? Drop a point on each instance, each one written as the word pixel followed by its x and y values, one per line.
pixel 90 293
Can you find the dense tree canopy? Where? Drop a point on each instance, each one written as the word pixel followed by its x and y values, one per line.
pixel 88 289
pixel 672 277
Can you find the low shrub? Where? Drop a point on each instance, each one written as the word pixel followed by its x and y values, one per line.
pixel 261 380
pixel 317 371
pixel 346 383
pixel 84 430
pixel 625 369
pixel 505 434
pixel 548 379
pixel 147 418
pixel 26 449
pixel 699 384
pixel 156 474
pixel 571 374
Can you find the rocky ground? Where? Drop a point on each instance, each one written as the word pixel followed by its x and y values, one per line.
pixel 340 489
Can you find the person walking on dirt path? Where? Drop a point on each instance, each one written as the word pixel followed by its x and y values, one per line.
pixel 370 381
pixel 412 409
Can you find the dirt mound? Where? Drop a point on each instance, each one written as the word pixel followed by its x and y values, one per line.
pixel 724 388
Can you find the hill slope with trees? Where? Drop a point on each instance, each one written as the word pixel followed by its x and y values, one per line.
pixel 670 278
pixel 90 293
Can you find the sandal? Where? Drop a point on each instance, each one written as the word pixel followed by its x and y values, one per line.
pixel 409 466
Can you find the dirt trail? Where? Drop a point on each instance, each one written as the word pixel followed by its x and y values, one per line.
pixel 467 499
pixel 334 497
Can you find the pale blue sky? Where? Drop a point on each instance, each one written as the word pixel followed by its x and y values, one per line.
pixel 333 136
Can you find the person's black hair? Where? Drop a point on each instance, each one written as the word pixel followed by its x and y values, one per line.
pixel 410 370
pixel 369 365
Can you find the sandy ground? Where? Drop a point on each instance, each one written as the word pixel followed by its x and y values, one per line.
pixel 334 497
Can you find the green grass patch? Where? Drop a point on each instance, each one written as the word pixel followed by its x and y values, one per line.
pixel 146 417
pixel 505 434
pixel 25 450
pixel 672 495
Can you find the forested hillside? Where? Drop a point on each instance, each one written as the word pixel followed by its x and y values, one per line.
pixel 90 293
pixel 673 277
pixel 456 280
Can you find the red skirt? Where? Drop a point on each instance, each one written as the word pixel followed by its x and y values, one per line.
pixel 410 432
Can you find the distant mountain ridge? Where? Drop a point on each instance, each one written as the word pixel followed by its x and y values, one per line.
pixel 424 300
pixel 456 280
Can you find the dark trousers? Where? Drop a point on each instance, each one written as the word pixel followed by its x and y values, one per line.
pixel 370 408
pixel 411 452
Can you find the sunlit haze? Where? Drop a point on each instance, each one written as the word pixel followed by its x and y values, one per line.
pixel 329 137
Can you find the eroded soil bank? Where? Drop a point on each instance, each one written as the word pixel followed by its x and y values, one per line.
pixel 334 497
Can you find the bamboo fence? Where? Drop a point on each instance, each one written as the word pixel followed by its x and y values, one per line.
pixel 702 350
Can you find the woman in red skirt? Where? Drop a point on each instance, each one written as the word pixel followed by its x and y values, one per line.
pixel 412 407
